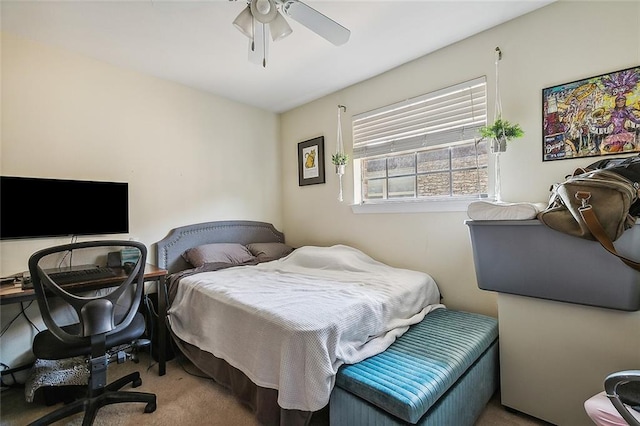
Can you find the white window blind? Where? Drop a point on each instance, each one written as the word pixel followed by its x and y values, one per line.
pixel 450 115
pixel 424 149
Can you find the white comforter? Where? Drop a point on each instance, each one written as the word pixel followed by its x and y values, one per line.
pixel 291 323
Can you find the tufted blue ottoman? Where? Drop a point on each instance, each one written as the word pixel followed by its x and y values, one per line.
pixel 441 372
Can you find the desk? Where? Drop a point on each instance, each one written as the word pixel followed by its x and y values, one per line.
pixel 12 294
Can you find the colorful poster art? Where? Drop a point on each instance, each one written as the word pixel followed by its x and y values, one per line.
pixel 596 116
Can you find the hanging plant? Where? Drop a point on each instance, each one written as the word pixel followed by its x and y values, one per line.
pixel 339 159
pixel 500 132
pixel 502 129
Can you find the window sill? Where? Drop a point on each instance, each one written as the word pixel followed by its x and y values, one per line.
pixel 415 206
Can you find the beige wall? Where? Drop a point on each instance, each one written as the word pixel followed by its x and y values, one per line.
pixel 188 156
pixel 557 44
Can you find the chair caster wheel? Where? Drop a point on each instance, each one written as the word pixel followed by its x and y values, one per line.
pixel 137 382
pixel 150 407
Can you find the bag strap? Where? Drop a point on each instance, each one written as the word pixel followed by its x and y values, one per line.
pixel 592 222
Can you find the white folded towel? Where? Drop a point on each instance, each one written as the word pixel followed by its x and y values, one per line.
pixel 488 210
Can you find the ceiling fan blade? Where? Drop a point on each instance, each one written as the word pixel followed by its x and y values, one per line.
pixel 317 22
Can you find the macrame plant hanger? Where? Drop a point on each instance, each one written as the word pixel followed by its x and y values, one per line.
pixel 339 159
pixel 497 142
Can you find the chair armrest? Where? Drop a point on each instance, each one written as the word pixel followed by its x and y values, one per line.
pixel 611 385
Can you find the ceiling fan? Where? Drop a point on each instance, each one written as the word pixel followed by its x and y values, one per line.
pixel 262 17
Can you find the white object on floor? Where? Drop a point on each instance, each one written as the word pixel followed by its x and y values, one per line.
pixel 487 210
pixel 600 409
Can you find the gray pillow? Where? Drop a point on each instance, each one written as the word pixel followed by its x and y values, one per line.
pixel 217 252
pixel 269 251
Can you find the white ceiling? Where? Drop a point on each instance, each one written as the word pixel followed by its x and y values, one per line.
pixel 195 44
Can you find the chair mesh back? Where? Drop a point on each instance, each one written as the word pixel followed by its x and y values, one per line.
pixel 65 279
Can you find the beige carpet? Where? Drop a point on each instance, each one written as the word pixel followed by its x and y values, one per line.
pixel 185 399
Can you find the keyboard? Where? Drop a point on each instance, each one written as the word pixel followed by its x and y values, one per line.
pixel 80 275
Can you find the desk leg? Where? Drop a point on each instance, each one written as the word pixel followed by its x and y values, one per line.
pixel 162 326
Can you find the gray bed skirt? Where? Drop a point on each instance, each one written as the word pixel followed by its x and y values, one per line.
pixel 263 401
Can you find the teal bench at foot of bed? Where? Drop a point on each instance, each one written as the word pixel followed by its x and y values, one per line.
pixel 441 372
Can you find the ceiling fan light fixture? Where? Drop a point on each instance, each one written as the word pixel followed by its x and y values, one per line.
pixel 264 11
pixel 279 28
pixel 264 16
pixel 244 22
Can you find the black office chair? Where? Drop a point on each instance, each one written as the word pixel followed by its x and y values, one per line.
pixel 103 322
pixel 624 388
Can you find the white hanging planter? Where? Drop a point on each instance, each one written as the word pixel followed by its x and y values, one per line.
pixel 498 145
pixel 499 132
pixel 339 159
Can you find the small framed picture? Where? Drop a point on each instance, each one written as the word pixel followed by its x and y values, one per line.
pixel 311 161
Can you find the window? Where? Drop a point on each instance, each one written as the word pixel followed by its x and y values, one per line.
pixel 426 148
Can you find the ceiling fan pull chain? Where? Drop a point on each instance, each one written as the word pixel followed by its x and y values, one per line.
pixel 253 38
pixel 264 47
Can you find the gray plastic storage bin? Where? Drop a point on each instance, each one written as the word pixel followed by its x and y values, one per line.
pixel 529 259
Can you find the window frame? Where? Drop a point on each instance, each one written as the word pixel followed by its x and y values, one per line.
pixel 461 122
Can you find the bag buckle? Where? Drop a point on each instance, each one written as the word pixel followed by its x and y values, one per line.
pixel 584 198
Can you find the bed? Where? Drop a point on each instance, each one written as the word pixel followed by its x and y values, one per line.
pixel 275 325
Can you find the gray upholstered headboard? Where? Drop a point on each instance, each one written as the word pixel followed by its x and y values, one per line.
pixel 170 249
